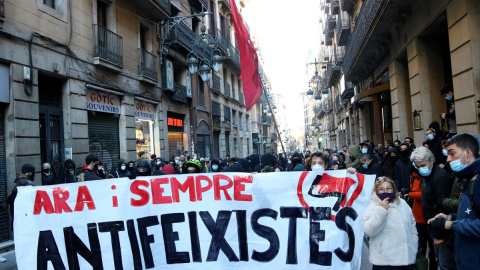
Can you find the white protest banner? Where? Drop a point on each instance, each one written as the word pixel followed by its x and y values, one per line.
pixel 225 220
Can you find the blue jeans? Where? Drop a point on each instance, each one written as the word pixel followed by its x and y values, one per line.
pixel 444 256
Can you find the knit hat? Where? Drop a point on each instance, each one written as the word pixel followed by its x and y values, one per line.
pixel 168 169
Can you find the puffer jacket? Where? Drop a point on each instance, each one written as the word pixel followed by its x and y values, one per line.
pixel 354 160
pixel 392 232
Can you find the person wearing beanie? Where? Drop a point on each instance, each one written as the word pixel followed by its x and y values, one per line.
pixel 332 165
pixel 28 171
pixel 143 168
pixel 168 169
pixel 268 160
pixel 296 160
pixel 70 173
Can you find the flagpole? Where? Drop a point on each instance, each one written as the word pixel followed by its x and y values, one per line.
pixel 268 101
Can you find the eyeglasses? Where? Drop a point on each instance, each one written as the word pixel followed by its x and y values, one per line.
pixel 387 189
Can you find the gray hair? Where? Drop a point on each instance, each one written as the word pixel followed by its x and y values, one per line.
pixel 421 154
pixel 46 164
pixel 366 156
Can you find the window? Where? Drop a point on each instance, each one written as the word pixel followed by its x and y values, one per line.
pixel 55 8
pixel 240 122
pixel 50 3
pixel 234 117
pixel 101 13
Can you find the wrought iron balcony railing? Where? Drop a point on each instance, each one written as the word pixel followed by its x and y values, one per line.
pixel 226 113
pixel 335 5
pixel 216 82
pixel 226 89
pixel 241 98
pixel 234 54
pixel 221 39
pixel 166 5
pixel 343 28
pixel 2 10
pixel 339 54
pixel 216 109
pixel 182 34
pixel 366 17
pixel 180 94
pixel 108 45
pixel 147 65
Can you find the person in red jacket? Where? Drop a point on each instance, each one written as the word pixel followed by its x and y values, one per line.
pixel 422 229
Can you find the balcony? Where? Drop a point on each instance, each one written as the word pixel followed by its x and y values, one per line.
pixel 333 74
pixel 273 136
pixel 348 92
pixel 233 59
pixel 147 66
pixel 180 94
pixel 343 28
pixel 225 5
pixel 331 22
pixel 366 17
pixel 226 89
pixel 266 120
pixel 221 39
pixel 107 49
pixel 2 13
pixel 241 98
pixel 216 84
pixel 216 111
pixel 166 5
pixel 347 5
pixel 339 53
pixel 335 6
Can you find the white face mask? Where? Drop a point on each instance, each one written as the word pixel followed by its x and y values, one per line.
pixel 318 168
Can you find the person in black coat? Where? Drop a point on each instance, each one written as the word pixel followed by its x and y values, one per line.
pixel 435 186
pixel 122 170
pixel 88 171
pixel 70 173
pixel 434 142
pixel 47 174
pixel 403 169
pixel 370 165
pixel 390 161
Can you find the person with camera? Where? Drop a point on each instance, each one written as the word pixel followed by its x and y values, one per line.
pixel 464 160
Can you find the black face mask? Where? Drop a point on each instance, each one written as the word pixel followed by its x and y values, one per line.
pixel 46 171
pixel 405 154
pixel 31 177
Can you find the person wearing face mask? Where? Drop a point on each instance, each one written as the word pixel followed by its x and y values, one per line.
pixel 143 168
pixel 319 161
pixel 70 174
pixel 434 142
pixel 435 186
pixel 447 91
pixel 403 169
pixel 390 224
pixel 47 175
pixel 214 166
pixel 353 157
pixel 332 165
pixel 122 170
pixel 89 171
pixel 464 160
pixel 369 166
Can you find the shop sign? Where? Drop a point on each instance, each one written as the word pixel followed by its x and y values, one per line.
pixel 103 102
pixel 144 110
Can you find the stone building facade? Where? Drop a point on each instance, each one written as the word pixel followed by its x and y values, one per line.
pixel 80 77
pixel 397 57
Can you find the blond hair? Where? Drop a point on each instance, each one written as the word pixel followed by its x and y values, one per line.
pixel 383 179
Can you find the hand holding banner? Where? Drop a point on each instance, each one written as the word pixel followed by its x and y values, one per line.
pixel 271 220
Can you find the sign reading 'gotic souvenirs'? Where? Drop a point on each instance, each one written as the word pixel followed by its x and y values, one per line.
pixel 144 110
pixel 103 102
pixel 287 220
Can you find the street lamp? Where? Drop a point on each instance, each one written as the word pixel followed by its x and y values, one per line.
pixel 309 94
pixel 318 98
pixel 204 40
pixel 264 108
pixel 325 92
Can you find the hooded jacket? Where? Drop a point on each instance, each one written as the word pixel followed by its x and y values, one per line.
pixel 354 160
pixel 374 168
pixel 403 171
pixel 255 162
pixel 216 162
pixel 393 234
pixel 122 173
pixel 466 223
pixel 69 177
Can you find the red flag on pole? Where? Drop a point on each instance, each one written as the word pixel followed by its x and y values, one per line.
pixel 252 84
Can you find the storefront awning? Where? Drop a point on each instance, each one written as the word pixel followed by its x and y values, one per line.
pixel 371 91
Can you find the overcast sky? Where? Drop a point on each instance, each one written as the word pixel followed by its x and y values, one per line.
pixel 288 32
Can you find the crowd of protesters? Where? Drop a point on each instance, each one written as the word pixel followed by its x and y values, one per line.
pixel 424 199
